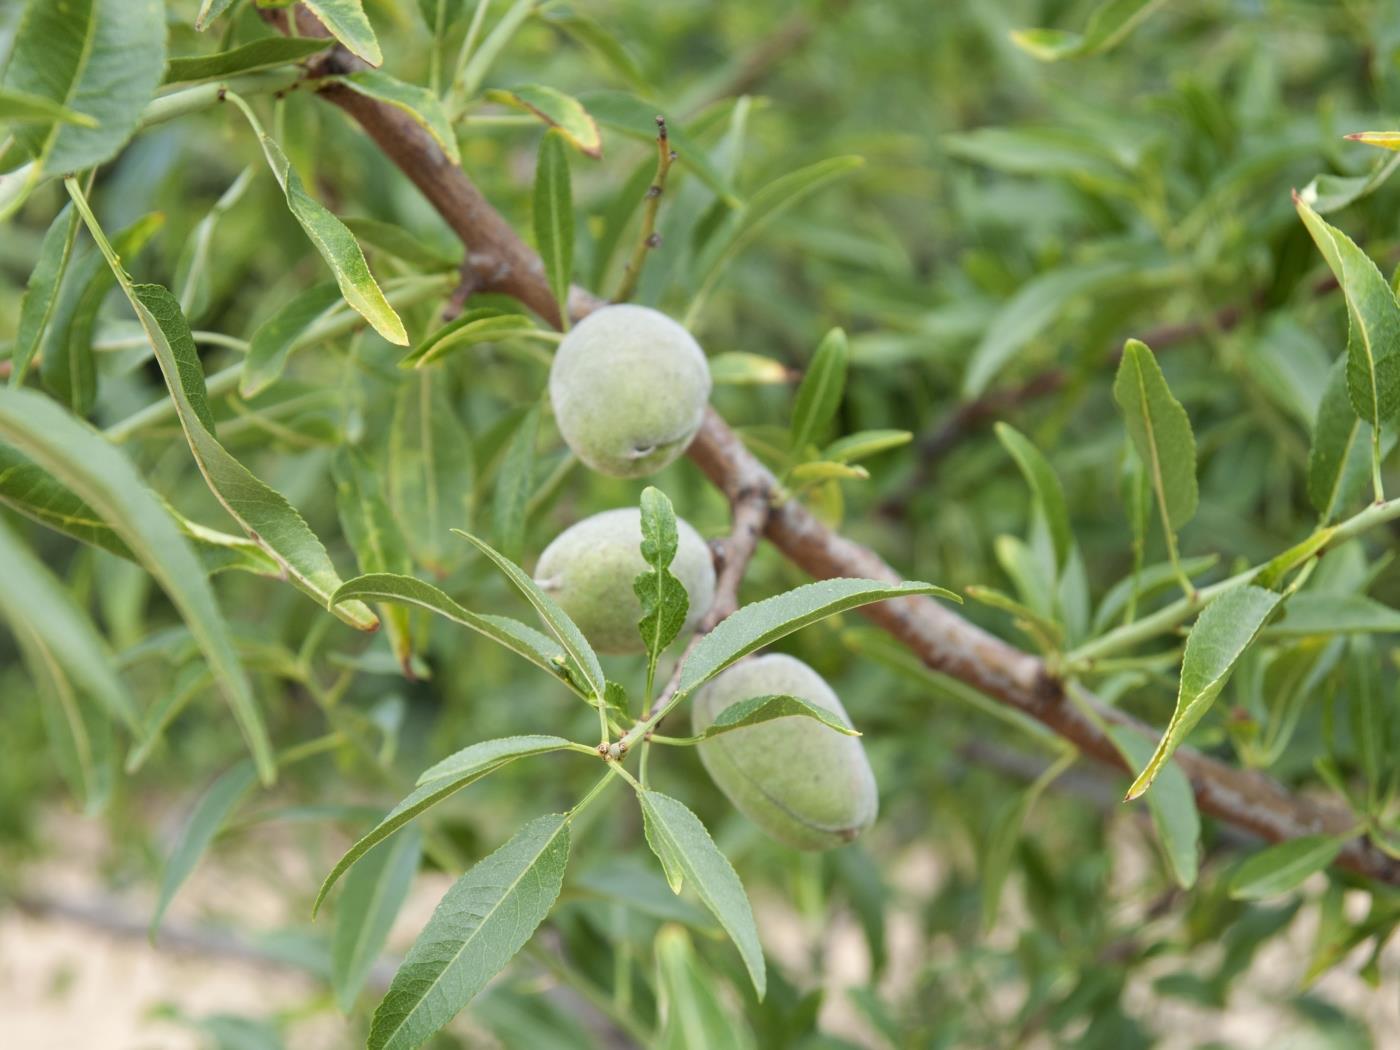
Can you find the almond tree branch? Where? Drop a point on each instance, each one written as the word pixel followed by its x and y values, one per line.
pixel 939 636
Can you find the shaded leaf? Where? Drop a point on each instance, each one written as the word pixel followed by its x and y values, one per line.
pixel 689 1011
pixel 1283 867
pixel 374 893
pixel 431 470
pixel 481 922
pixel 276 338
pixel 1339 458
pixel 482 324
pixel 1045 484
pixel 1160 431
pixel 264 53
pixel 1109 24
pixel 554 217
pixel 637 119
pixel 40 297
pixel 819 394
pixel 1323 612
pixel 687 853
pixel 1221 634
pixel 761 623
pixel 419 103
pixel 22 107
pixel 1172 804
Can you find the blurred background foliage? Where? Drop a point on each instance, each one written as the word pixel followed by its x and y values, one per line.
pixel 1014 219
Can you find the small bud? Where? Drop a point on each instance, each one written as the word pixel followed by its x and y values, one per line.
pixel 653 191
pixel 654 241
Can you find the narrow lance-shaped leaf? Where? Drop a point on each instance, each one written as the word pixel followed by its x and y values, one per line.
pixel 514 482
pixel 481 922
pixel 36 307
pixel 275 338
pixel 555 618
pixel 1160 431
pixel 1339 455
pixel 554 217
pixel 483 324
pixel 665 602
pixel 374 893
pixel 374 536
pixel 761 623
pixel 265 53
pixel 209 815
pixel 104 480
pixel 1109 24
pixel 430 470
pixel 688 854
pixel 690 1012
pixel 758 709
pixel 441 781
pixel 33 594
pixel 1373 340
pixel 100 58
pixel 192 282
pixel 347 23
pixel 265 513
pixel 557 110
pixel 1283 867
pixel 541 650
pixel 1172 803
pixel 819 395
pixel 1045 484
pixel 334 242
pixel 1221 634
pixel 208 11
pixel 420 104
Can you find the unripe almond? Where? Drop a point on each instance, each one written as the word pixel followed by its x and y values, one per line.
pixel 629 388
pixel 590 566
pixel 803 783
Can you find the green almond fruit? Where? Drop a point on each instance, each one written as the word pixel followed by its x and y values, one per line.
pixel 803 783
pixel 589 568
pixel 629 388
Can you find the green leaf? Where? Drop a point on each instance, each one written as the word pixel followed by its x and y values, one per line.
pixel 192 280
pixel 100 58
pixel 1045 485
pixel 483 324
pixel 441 14
pixel 441 781
pixel 738 368
pixel 276 338
pixel 68 368
pixel 554 217
pixel 865 443
pixel 663 598
pixel 337 247
pixel 598 39
pixel 1283 867
pixel 490 49
pixel 558 622
pixel 347 23
pixel 80 736
pixel 103 479
pixel 760 210
pixel 263 512
pixel 689 1011
pixel 758 709
pixel 1221 634
pixel 1109 24
pixel 208 816
pixel 761 623
pixel 1339 459
pixel 482 921
pixel 36 307
pixel 421 105
pixel 1027 314
pixel 1145 584
pixel 637 119
pixel 374 893
pixel 557 110
pixel 624 880
pixel 34 596
pixel 210 10
pixel 999 849
pixel 825 470
pixel 31 490
pixel 819 395
pixel 265 53
pixel 431 470
pixel 374 536
pixel 1373 341
pixel 1160 431
pixel 1326 613
pixel 539 649
pixel 22 107
pixel 687 853
pixel 514 483
pixel 1172 804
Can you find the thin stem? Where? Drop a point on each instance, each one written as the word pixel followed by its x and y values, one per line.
pixel 1376 464
pixel 649 238
pixel 468 46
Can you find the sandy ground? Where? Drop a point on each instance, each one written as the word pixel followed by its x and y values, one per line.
pixel 66 983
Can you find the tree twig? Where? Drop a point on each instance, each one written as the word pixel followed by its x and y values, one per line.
pixel 649 238
pixel 941 638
